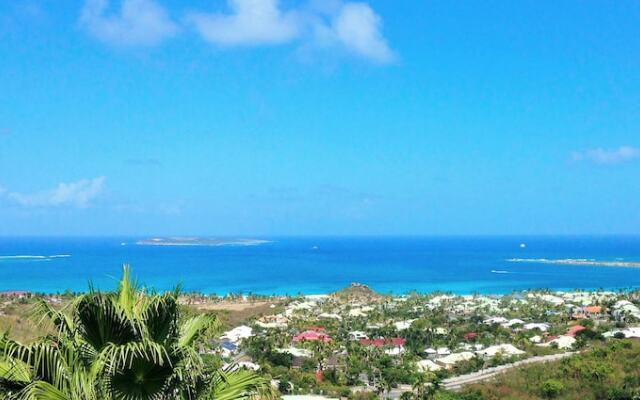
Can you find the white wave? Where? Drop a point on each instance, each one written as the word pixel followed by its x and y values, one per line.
pixel 33 258
pixel 496 271
pixel 22 257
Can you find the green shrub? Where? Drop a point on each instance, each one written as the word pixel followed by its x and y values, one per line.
pixel 552 388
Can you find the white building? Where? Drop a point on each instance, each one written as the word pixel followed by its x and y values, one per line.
pixel 236 335
pixel 503 349
pixel 563 342
pixel 452 359
pixel 427 366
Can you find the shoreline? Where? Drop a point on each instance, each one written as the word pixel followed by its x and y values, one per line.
pixel 257 296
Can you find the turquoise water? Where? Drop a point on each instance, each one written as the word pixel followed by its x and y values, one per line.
pixel 321 265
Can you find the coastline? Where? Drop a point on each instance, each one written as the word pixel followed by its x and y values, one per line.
pixel 325 294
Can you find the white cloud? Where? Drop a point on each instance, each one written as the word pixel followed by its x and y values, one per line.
pixel 251 22
pixel 75 194
pixel 137 23
pixel 358 28
pixel 607 156
pixel 351 26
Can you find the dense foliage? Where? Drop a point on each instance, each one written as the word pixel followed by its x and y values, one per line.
pixel 122 345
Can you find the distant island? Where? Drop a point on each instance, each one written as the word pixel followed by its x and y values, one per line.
pixel 578 261
pixel 192 241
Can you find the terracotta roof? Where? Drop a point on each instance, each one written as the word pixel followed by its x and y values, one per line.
pixel 13 292
pixel 397 341
pixel 575 329
pixel 316 328
pixel 593 309
pixel 312 336
pixel 470 335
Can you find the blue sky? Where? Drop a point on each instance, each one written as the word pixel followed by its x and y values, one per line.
pixel 247 117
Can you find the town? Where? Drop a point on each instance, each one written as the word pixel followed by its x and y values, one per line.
pixel 356 343
pixel 359 344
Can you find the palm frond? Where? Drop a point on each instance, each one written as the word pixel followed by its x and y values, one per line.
pixel 41 390
pixel 239 384
pixel 44 313
pixel 14 374
pixel 159 318
pixel 127 293
pixel 100 321
pixel 116 357
pixel 193 328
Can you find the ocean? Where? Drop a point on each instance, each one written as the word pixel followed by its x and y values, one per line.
pixel 315 265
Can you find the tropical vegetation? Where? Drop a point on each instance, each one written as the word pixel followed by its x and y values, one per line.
pixel 122 345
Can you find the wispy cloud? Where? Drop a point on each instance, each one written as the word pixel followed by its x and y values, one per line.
pixel 78 194
pixel 350 26
pixel 250 22
pixel 136 23
pixel 603 156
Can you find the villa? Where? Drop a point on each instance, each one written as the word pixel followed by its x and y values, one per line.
pixel 312 336
pixel 503 349
pixel 451 360
pixel 236 335
pixel 427 366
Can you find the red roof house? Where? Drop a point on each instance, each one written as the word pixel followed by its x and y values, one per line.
pixel 574 329
pixel 470 336
pixel 316 328
pixel 397 341
pixel 593 310
pixel 14 293
pixel 312 336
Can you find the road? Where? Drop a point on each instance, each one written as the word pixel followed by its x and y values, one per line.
pixel 457 382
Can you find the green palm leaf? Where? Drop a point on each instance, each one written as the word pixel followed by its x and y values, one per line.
pixel 239 384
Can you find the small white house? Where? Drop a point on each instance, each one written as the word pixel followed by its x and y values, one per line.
pixel 503 349
pixel 427 366
pixel 452 359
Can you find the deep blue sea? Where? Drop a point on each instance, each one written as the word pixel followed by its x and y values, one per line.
pixel 320 265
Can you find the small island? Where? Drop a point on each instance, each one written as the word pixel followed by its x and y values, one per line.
pixel 194 241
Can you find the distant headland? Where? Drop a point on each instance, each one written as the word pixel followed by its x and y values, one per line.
pixel 195 241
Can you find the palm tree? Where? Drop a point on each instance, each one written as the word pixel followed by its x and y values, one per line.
pixel 122 345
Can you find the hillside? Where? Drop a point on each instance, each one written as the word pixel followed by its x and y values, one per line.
pixel 608 371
